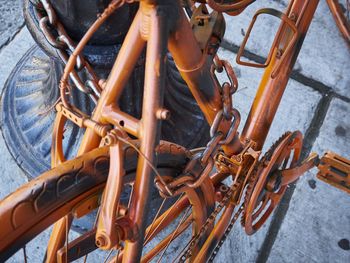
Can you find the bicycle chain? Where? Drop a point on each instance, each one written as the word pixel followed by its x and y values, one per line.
pixel 63 44
pixel 251 184
pixel 242 209
pixel 194 241
pixel 227 232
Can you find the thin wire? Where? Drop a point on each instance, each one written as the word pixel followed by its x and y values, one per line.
pixel 147 161
pixel 175 232
pixel 49 108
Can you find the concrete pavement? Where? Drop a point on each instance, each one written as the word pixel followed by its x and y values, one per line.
pixel 313 222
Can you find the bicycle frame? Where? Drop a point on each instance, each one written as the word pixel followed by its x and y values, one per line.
pixel 163 25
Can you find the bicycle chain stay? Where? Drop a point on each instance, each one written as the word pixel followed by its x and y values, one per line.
pixel 226 199
pixel 211 220
pixel 226 233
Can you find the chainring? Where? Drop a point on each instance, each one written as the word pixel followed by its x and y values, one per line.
pixel 264 191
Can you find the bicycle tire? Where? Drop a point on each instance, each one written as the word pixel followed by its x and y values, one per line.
pixel 35 206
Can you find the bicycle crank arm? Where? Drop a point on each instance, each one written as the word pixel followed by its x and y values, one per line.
pixel 292 174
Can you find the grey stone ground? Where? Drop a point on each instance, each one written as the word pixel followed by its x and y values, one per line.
pixel 313 222
pixel 11 20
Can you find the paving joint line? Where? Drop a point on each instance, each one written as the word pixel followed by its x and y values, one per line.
pixel 311 135
pixel 9 40
pixel 295 75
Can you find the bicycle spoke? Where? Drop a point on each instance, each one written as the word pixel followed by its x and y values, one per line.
pixel 132 190
pixel 154 219
pixel 95 223
pixel 66 245
pixel 162 220
pixel 162 244
pixel 175 232
pixel 109 254
pixel 116 256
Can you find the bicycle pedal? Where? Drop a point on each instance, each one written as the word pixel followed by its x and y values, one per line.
pixel 335 170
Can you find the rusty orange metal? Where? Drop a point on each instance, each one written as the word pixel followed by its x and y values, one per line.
pixel 201 197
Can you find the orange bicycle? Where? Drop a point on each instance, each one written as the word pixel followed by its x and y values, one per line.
pixel 152 199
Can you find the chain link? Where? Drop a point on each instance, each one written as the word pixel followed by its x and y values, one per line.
pixel 199 167
pixel 227 232
pixel 228 113
pixel 211 220
pixel 56 35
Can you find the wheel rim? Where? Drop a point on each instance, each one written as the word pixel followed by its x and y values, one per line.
pixel 196 199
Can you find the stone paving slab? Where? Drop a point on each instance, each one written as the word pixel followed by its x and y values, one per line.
pixel 295 113
pixel 11 175
pixel 35 251
pixel 11 20
pixel 324 56
pixel 317 224
pixel 298 107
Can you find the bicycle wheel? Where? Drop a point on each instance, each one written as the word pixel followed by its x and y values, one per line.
pixel 34 207
pixel 341 13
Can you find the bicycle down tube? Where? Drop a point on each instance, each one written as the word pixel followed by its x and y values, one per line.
pixel 266 103
pixel 165 25
pixel 271 89
pixel 152 24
